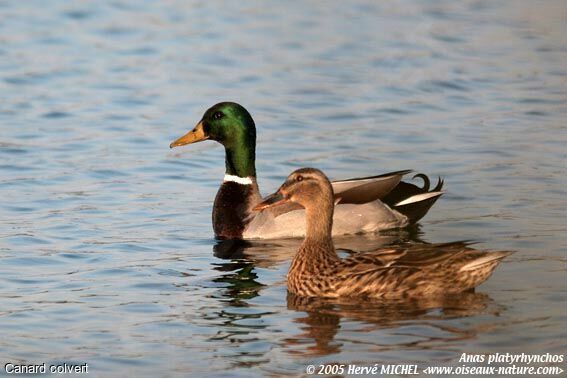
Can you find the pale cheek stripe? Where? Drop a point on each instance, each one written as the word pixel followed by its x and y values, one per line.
pixel 240 180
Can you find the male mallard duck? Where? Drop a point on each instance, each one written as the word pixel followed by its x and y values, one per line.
pixel 364 204
pixel 317 270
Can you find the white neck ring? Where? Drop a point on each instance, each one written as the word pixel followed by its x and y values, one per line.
pixel 239 180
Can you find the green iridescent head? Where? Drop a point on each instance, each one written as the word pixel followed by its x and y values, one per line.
pixel 232 126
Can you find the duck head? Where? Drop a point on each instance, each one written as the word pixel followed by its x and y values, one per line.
pixel 308 187
pixel 229 124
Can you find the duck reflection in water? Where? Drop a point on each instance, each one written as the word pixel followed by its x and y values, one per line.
pixel 422 319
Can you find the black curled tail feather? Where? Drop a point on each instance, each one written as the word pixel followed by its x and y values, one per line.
pixel 416 209
pixel 439 186
pixel 426 182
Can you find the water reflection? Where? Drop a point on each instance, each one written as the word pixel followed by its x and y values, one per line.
pixel 324 317
pixel 241 281
pixel 268 252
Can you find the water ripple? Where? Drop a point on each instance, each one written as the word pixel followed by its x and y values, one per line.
pixel 106 249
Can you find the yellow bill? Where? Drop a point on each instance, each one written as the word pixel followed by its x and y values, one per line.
pixel 193 136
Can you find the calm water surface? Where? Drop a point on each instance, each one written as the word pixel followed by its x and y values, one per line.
pixel 107 253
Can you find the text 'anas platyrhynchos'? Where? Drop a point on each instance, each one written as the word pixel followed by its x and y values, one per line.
pixel 317 270
pixel 364 204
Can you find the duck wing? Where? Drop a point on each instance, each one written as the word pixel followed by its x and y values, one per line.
pixel 437 269
pixel 458 254
pixel 421 256
pixel 367 189
pixel 406 198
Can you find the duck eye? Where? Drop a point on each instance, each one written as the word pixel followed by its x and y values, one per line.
pixel 299 178
pixel 218 115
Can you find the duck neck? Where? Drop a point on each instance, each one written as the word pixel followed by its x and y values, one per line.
pixel 319 219
pixel 317 250
pixel 240 159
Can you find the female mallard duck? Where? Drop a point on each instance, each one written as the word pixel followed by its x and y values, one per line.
pixel 317 270
pixel 365 204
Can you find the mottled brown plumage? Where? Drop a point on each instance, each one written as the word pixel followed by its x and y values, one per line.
pixel 317 270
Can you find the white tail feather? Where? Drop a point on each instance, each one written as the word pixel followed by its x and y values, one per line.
pixel 419 198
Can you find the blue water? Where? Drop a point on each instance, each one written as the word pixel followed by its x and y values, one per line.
pixel 107 254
